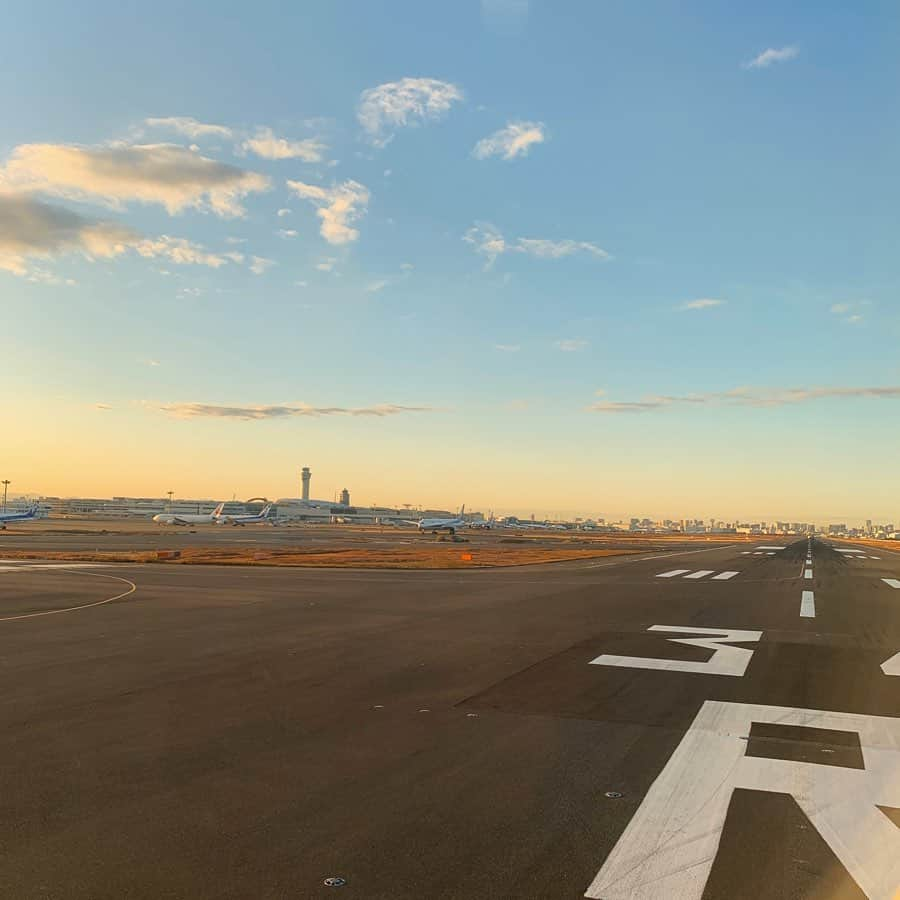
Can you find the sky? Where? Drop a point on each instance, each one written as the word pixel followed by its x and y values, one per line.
pixel 565 258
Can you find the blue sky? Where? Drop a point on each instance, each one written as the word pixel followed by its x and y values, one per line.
pixel 564 258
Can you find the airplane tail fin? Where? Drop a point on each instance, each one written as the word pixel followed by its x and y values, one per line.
pixel 462 510
pixel 266 511
pixel 218 510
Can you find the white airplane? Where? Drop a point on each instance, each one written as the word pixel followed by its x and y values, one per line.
pixel 25 516
pixel 265 515
pixel 448 525
pixel 189 519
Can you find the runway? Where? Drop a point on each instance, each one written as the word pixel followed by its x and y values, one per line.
pixel 697 723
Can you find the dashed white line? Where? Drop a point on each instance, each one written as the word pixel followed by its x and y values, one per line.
pixel 724 576
pixel 673 573
pixel 702 573
pixel 807 573
pixel 807 605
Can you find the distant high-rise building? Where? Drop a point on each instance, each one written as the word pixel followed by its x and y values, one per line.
pixel 345 497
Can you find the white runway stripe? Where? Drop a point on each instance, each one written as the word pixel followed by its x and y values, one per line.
pixel 893 582
pixel 701 574
pixel 808 605
pixel 724 576
pixel 807 573
pixel 673 573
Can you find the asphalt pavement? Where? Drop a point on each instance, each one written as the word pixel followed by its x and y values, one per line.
pixel 704 723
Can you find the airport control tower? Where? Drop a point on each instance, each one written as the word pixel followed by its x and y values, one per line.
pixel 305 476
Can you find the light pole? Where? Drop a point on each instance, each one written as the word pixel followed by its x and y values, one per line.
pixel 171 494
pixel 5 487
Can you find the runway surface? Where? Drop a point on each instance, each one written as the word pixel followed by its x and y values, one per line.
pixel 704 723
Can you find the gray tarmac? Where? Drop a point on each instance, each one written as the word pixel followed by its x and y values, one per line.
pixel 227 732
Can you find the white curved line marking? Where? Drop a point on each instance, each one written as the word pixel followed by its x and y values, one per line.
pixel 53 612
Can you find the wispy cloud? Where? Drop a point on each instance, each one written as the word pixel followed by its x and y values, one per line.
pixel 516 139
pixel 702 303
pixel 214 411
pixel 490 243
pixel 327 264
pixel 189 127
pixel 771 56
pixel 850 313
pixel 287 232
pixel 182 252
pixel 373 287
pixel 508 348
pixel 115 174
pixel 570 345
pixel 268 145
pixel 337 207
pixel 410 101
pixel 259 264
pixel 746 396
pixel 283 212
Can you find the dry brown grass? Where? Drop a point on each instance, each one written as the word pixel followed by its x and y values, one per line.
pixel 432 557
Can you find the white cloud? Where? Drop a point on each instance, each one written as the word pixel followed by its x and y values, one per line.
pixel 514 140
pixel 507 348
pixel 746 396
pixel 337 207
pixel 180 252
pixel 301 284
pixel 410 101
pixel 702 303
pixel 283 212
pixel 327 264
pixel 189 127
pixel 406 267
pixel 267 145
pixel 234 256
pixel 487 241
pixel 771 56
pixel 287 232
pixel 545 249
pixel 570 345
pixel 373 287
pixel 235 240
pixel 855 317
pixel 490 243
pixel 209 410
pixel 120 173
pixel 187 292
pixel 260 264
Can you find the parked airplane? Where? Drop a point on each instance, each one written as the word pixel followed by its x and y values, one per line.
pixel 265 515
pixel 435 525
pixel 24 516
pixel 189 519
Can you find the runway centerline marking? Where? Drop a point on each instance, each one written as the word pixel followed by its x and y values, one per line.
pixel 808 605
pixel 726 660
pixel 807 573
pixel 669 846
pixel 53 612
